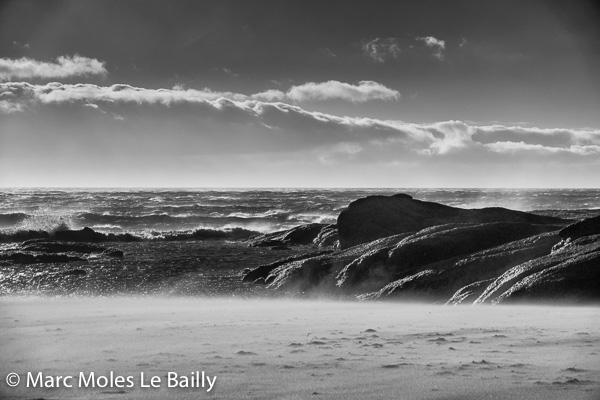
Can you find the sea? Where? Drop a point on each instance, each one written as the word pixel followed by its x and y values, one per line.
pixel 169 258
pixel 152 213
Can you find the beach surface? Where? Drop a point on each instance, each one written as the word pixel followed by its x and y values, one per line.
pixel 296 349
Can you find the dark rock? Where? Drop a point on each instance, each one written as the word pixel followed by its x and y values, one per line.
pixel 322 271
pixel 589 226
pixel 301 235
pixel 328 237
pixel 454 277
pixel 112 252
pixel 263 271
pixel 83 235
pixel 20 236
pixel 419 251
pixel 27 258
pixel 374 217
pixel 22 258
pixel 571 273
pixel 52 246
pixel 489 255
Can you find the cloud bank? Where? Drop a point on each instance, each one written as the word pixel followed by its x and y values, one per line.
pixel 288 127
pixel 64 67
pixel 55 92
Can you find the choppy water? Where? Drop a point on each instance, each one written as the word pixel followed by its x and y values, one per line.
pixel 152 211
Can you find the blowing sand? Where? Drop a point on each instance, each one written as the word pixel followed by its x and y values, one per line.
pixel 284 349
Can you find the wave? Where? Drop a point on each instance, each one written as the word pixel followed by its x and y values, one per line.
pixel 12 218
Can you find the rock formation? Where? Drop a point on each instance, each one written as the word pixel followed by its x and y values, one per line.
pixel 399 247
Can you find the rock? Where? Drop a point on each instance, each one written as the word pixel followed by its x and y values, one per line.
pixel 112 252
pixel 262 272
pixel 429 246
pixel 20 236
pixel 301 235
pixel 589 226
pixel 83 235
pixel 52 246
pixel 454 277
pixel 322 271
pixel 27 258
pixel 469 293
pixel 374 217
pixel 569 274
pixel 22 258
pixel 328 237
pixel 491 255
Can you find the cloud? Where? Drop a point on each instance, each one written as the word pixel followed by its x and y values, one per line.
pixel 54 92
pixel 236 123
pixel 554 137
pixel 380 50
pixel 64 67
pixel 270 95
pixel 363 92
pixel 538 149
pixel 438 45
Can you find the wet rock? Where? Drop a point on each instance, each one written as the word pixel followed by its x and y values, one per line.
pixel 455 277
pixel 20 236
pixel 322 271
pixel 52 246
pixel 374 217
pixel 112 252
pixel 28 258
pixel 589 226
pixel 262 272
pixel 328 237
pixel 83 235
pixel 570 274
pixel 490 255
pixel 301 235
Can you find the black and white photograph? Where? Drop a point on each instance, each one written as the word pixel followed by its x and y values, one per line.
pixel 299 199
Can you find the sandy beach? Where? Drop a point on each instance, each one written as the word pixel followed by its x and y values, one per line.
pixel 290 349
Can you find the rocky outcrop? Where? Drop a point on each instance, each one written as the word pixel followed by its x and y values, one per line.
pixel 455 277
pixel 571 273
pixel 426 247
pixel 374 217
pixel 448 255
pixel 320 235
pixel 261 273
pixel 82 235
pixel 28 258
pixel 36 251
pixel 589 226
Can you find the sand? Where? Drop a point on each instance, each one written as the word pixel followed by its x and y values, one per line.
pixel 290 349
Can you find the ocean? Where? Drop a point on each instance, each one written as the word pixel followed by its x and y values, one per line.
pixel 166 259
pixel 151 213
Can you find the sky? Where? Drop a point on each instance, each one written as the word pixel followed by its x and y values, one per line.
pixel 307 93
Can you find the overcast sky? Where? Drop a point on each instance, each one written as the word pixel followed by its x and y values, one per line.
pixel 300 93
